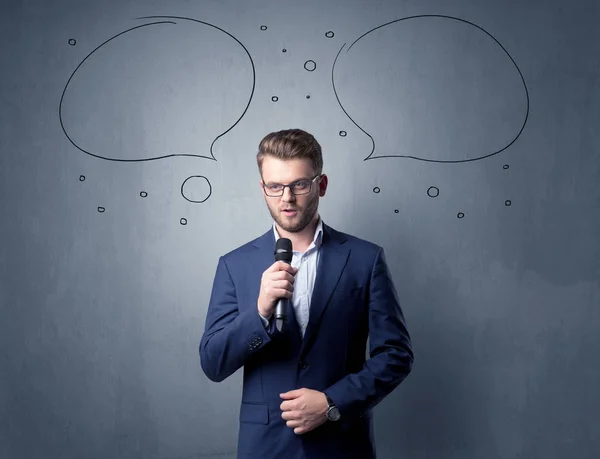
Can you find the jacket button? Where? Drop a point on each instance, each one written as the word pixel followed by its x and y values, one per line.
pixel 254 342
pixel 302 364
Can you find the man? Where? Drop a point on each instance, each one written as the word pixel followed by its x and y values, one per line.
pixel 308 390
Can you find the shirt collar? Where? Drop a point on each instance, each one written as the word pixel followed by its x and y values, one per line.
pixel 317 238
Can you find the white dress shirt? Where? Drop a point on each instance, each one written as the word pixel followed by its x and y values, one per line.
pixel 305 277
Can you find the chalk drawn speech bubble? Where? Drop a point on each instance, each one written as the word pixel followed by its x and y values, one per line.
pixel 432 88
pixel 158 90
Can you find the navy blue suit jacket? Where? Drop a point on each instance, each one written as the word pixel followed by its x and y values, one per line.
pixel 353 299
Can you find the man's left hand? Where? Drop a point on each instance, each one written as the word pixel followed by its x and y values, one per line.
pixel 304 409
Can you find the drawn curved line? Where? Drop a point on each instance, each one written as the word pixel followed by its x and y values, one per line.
pixel 249 57
pixel 69 81
pixel 209 189
pixel 437 160
pixel 164 156
pixel 342 107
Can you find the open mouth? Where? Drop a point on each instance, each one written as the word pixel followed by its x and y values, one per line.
pixel 289 212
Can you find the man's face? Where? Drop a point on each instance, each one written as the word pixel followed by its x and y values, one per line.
pixel 292 212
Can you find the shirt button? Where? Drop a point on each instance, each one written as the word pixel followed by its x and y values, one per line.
pixel 302 364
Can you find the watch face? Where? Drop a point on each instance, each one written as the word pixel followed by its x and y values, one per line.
pixel 333 414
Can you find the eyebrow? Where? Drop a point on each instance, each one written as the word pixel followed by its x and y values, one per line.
pixel 293 181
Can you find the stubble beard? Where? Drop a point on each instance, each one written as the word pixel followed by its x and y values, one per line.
pixel 302 219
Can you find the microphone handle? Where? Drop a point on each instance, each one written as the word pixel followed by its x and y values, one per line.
pixel 281 309
pixel 280 313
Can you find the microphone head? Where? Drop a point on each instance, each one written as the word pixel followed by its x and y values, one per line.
pixel 283 250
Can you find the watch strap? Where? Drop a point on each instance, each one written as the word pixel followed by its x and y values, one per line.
pixel 329 401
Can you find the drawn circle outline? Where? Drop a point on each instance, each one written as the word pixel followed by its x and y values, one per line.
pixel 209 189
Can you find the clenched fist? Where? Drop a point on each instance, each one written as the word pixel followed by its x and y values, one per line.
pixel 277 282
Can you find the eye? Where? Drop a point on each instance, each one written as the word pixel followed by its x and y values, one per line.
pixel 274 187
pixel 301 185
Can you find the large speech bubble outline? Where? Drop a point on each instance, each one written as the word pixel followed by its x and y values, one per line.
pixel 370 156
pixel 211 157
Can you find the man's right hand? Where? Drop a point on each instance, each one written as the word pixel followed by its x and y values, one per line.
pixel 277 282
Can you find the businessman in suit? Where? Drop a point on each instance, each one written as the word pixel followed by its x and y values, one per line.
pixel 308 389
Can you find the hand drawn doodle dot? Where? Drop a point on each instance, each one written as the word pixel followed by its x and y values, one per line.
pixel 396 211
pixel 460 215
pixel 376 189
pixel 143 194
pixel 72 41
pixel 274 98
pixel 101 209
pixel 284 50
pixel 81 178
pixel 329 34
pixel 263 27
pixel 508 202
pixel 433 192
pixel 308 96
pixel 183 221
pixel 196 189
pixel 343 133
pixel 506 166
pixel 310 65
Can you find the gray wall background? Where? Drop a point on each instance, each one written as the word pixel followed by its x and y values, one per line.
pixel 102 311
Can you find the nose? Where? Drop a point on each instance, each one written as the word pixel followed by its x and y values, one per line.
pixel 288 196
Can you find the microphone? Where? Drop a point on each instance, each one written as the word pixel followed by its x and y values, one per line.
pixel 283 252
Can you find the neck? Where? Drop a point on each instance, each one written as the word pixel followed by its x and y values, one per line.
pixel 302 239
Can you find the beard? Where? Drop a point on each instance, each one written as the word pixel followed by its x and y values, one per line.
pixel 301 220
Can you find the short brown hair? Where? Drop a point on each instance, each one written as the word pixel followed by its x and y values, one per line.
pixel 291 144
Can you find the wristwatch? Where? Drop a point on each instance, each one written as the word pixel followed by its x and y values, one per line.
pixel 333 413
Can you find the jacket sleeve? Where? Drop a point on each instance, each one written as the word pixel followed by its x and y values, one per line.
pixel 391 354
pixel 233 331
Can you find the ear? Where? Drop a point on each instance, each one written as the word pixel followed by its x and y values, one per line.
pixel 323 182
pixel 262 190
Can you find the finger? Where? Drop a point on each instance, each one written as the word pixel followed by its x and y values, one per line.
pixel 291 415
pixel 292 394
pixel 286 405
pixel 278 293
pixel 282 285
pixel 282 276
pixel 300 430
pixel 285 267
pixel 294 423
pixel 291 269
pixel 277 266
pixel 277 282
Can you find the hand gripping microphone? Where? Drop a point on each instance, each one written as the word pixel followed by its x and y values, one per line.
pixel 283 252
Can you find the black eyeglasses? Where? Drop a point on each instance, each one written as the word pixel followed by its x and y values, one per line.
pixel 299 187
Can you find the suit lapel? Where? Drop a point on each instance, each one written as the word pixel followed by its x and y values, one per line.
pixel 266 246
pixel 332 260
